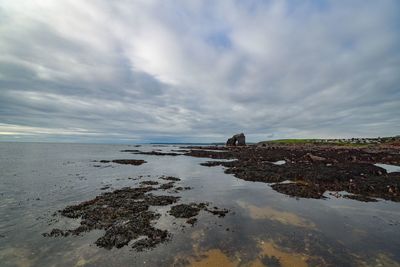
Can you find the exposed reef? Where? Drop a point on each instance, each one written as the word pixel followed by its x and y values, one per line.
pixel 124 214
pixel 126 217
pixel 189 211
pixel 237 140
pixel 152 153
pixel 135 162
pixel 312 169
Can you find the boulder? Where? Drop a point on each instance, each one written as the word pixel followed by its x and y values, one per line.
pixel 231 142
pixel 237 140
pixel 315 158
pixel 241 139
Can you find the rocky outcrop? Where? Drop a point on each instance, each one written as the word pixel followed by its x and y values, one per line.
pixel 237 140
pixel 230 142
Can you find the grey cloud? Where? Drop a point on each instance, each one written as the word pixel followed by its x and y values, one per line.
pixel 198 70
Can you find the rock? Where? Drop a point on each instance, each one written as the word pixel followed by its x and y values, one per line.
pixel 191 221
pixel 270 261
pixel 312 169
pixel 56 232
pixel 300 190
pixel 185 210
pixel 166 186
pixel 129 161
pixel 241 139
pixel 230 142
pixel 315 158
pixel 170 178
pixel 149 183
pixel 360 198
pixel 125 161
pixel 237 140
pixel 124 214
pixel 105 187
pixel 128 215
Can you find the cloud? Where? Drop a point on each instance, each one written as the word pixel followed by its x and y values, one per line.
pixel 198 70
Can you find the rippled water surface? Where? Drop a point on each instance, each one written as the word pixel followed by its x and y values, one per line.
pixel 263 228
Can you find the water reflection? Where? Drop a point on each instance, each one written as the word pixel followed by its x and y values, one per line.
pixel 270 251
pixel 14 256
pixel 269 255
pixel 276 215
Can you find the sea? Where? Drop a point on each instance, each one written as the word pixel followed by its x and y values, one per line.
pixel 262 228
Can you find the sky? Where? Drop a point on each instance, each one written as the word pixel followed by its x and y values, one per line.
pixel 198 71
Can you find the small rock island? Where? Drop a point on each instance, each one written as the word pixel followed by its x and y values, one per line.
pixel 237 140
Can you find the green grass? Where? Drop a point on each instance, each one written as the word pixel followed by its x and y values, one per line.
pixel 311 141
pixel 336 142
pixel 291 141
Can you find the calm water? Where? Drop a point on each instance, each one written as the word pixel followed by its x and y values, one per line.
pixel 38 179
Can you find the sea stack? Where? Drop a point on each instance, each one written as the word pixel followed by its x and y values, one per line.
pixel 237 140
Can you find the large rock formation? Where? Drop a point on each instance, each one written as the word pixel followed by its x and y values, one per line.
pixel 237 140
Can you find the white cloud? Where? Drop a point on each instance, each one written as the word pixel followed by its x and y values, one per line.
pixel 200 68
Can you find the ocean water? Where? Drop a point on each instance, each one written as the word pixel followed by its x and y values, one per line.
pixel 38 179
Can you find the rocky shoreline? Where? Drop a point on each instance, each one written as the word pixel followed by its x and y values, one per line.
pixel 308 171
pixel 126 217
pixel 302 171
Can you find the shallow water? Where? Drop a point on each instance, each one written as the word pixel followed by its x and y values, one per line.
pixel 389 168
pixel 279 162
pixel 36 180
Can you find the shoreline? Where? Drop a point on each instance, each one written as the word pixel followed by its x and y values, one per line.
pixel 309 171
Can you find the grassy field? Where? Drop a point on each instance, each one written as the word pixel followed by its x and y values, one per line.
pixel 312 141
pixel 293 141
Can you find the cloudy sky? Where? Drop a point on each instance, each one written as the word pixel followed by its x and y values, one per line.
pixel 198 70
